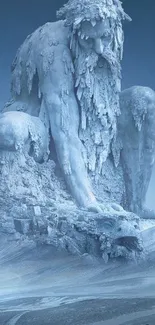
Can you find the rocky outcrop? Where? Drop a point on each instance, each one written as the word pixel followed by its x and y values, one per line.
pixel 35 203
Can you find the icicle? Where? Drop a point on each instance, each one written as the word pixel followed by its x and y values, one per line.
pixel 77 82
pixel 97 137
pixel 78 20
pixel 93 22
pixel 83 120
pixel 79 93
pixel 92 159
pixel 71 42
pixel 17 88
pixel 39 92
pixel 100 162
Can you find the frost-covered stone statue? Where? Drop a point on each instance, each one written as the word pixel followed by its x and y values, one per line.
pixel 68 75
pixel 19 130
pixel 136 132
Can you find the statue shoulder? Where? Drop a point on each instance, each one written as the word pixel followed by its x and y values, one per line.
pixel 135 104
pixel 42 52
pixel 51 33
pixel 44 38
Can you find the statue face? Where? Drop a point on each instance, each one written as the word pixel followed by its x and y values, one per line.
pixel 95 35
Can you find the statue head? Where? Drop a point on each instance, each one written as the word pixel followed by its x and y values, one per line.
pixel 96 23
pixel 96 43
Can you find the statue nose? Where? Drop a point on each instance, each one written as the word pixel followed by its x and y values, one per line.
pixel 98 46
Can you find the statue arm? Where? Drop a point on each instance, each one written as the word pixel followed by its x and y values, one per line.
pixel 60 101
pixel 52 61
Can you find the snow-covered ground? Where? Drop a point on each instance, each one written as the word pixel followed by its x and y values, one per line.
pixel 40 286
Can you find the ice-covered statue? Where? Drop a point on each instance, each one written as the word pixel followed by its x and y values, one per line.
pixel 67 75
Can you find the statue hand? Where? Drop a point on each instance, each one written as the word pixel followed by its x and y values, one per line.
pixel 95 207
pixel 98 207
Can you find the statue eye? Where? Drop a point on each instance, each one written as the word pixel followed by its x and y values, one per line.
pixel 87 41
pixel 90 41
pixel 106 34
